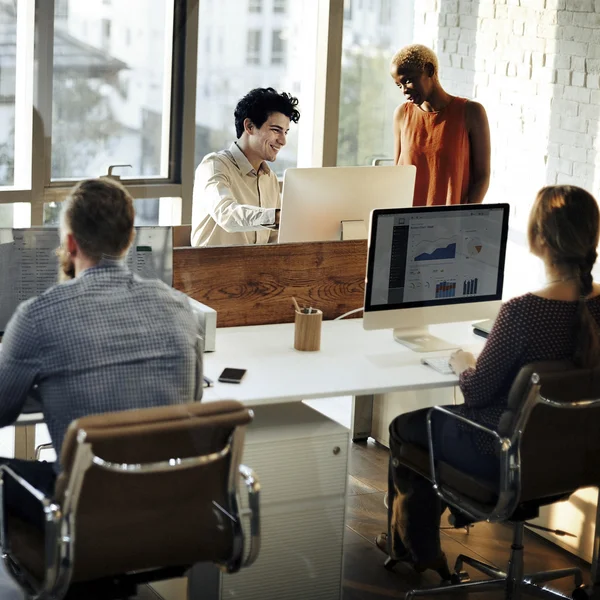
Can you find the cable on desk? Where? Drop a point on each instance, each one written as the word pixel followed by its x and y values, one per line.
pixel 351 312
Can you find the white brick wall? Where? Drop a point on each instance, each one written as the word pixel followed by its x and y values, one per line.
pixel 535 66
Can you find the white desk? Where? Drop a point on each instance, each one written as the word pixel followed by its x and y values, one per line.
pixel 286 441
pixel 351 362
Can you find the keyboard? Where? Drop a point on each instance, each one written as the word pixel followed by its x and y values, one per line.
pixel 440 363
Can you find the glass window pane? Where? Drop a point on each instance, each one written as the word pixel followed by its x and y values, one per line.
pixel 255 6
pixel 278 48
pixel 8 62
pixel 279 6
pixel 271 54
pixel 373 32
pixel 148 211
pixel 111 88
pixel 17 214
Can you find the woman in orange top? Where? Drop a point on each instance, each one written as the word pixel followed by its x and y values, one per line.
pixel 446 137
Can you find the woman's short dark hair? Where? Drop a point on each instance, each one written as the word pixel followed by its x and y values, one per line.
pixel 259 103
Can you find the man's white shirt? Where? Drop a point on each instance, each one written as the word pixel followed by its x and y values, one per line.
pixel 233 203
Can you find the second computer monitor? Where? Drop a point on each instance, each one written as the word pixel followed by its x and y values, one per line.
pixel 320 203
pixel 434 265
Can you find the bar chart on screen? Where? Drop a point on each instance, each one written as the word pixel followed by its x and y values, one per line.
pixel 445 289
pixel 470 287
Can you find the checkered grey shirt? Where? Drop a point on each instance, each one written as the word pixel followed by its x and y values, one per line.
pixel 105 341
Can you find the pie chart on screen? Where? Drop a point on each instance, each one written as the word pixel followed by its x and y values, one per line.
pixel 474 246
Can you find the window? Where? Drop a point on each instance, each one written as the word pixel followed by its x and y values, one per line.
pixel 95 120
pixel 278 49
pixel 368 98
pixel 221 84
pixel 253 48
pixel 385 12
pixel 255 6
pixel 106 27
pixel 16 74
pixel 279 6
pixel 61 9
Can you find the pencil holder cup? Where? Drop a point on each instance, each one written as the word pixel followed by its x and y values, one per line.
pixel 307 330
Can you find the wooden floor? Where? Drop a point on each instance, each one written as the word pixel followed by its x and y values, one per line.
pixel 364 575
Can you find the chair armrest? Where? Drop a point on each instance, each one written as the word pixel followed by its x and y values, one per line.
pixel 33 491
pixel 52 519
pixel 504 443
pixel 253 488
pixel 37 494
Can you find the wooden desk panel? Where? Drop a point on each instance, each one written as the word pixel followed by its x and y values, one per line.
pixel 254 285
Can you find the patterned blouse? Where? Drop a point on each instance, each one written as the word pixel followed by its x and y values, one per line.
pixel 528 329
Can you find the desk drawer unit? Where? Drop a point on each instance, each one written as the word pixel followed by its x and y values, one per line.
pixel 300 457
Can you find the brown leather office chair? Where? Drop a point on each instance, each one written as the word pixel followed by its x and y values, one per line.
pixel 549 447
pixel 144 495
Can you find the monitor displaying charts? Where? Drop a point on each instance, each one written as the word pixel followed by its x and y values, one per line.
pixel 436 255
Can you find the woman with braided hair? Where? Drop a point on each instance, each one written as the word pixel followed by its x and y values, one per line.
pixel 558 322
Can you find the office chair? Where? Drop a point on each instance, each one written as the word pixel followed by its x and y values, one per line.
pixel 144 495
pixel 548 447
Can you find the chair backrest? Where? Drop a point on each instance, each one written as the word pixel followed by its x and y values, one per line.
pixel 136 495
pixel 553 416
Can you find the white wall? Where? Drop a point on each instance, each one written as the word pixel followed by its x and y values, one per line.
pixel 535 66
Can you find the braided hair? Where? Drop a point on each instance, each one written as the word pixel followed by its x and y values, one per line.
pixel 565 220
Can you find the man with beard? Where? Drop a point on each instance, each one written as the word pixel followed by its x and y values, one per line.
pixel 104 340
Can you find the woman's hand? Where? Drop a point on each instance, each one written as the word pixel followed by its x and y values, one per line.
pixel 461 361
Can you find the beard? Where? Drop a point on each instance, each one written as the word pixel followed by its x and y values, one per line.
pixel 66 269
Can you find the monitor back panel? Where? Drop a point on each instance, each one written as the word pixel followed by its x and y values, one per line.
pixel 316 200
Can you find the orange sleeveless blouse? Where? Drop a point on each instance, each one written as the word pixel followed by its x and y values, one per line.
pixel 437 143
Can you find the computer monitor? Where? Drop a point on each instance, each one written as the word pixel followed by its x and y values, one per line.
pixel 28 263
pixel 333 203
pixel 434 265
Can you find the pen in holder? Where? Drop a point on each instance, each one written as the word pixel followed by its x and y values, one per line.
pixel 307 329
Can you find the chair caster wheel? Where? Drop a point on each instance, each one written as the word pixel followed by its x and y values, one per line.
pixel 459 577
pixel 390 563
pixel 579 593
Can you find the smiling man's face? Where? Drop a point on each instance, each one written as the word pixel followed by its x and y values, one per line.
pixel 266 141
pixel 414 84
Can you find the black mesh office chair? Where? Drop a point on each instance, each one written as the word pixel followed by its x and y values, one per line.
pixel 549 447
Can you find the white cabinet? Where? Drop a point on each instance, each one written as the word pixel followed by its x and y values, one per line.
pixel 300 457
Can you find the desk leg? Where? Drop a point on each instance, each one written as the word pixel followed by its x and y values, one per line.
pixel 362 417
pixel 25 442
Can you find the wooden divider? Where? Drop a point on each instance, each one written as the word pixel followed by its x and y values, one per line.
pixel 254 285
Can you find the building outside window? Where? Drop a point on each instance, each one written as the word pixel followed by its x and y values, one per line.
pixel 279 6
pixel 277 48
pixel 253 47
pixel 255 6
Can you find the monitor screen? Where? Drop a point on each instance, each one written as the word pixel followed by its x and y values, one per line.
pixel 422 257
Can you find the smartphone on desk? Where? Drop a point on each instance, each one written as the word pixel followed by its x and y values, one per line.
pixel 230 375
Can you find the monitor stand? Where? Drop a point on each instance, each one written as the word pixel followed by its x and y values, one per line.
pixel 420 340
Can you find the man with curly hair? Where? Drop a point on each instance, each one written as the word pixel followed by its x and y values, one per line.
pixel 446 137
pixel 236 195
